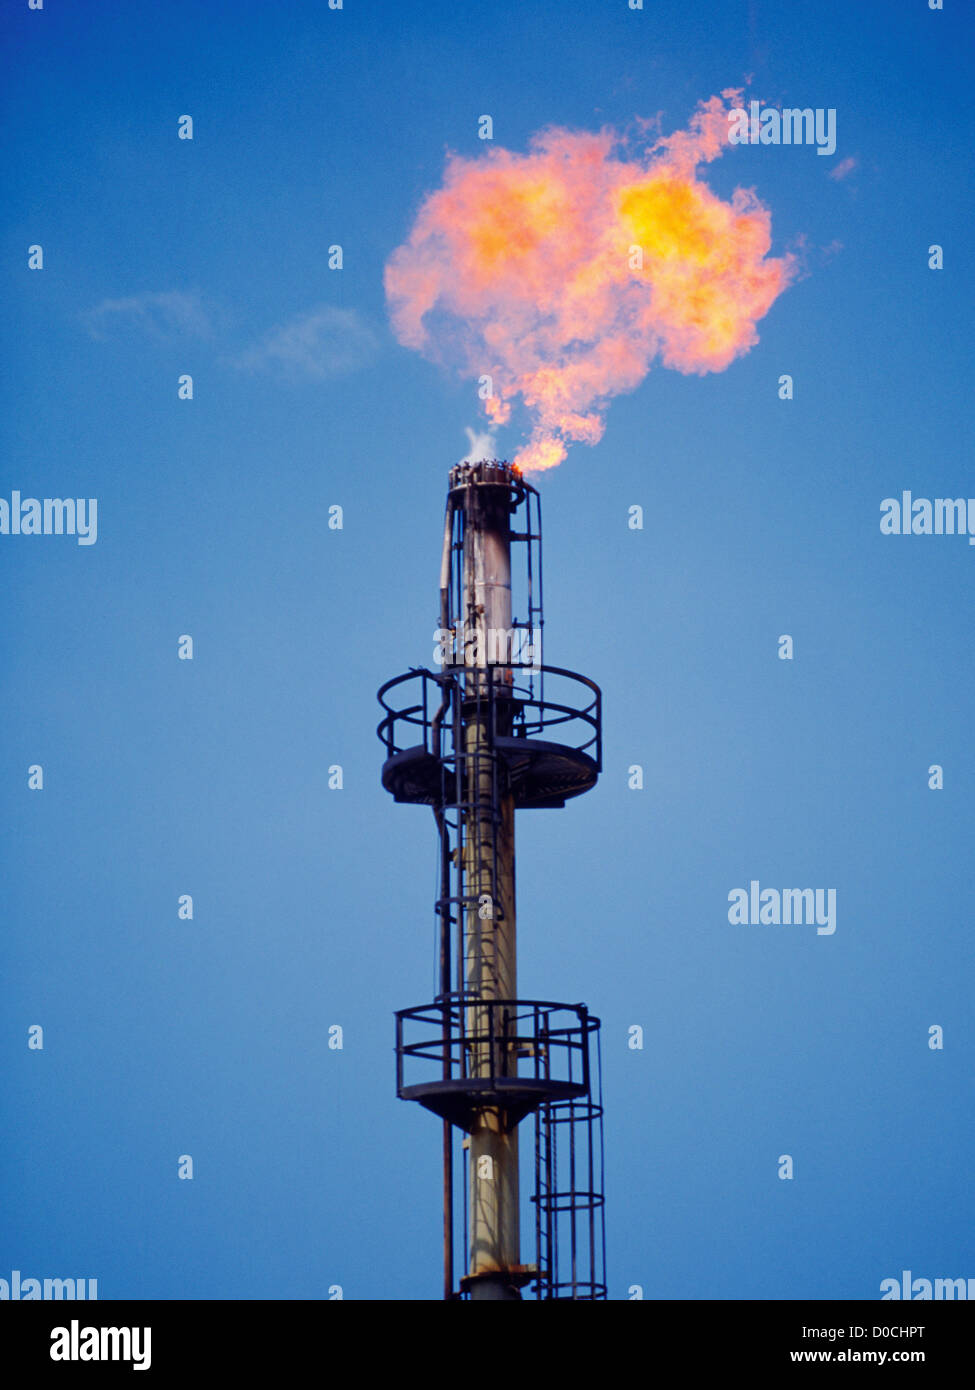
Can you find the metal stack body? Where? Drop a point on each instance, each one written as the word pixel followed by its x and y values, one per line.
pixel 474 741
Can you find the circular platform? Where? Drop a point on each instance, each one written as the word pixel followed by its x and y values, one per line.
pixel 460 1098
pixel 540 774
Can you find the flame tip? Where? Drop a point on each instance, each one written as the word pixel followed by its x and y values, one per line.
pixel 561 276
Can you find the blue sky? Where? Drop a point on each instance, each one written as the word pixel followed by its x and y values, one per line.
pixel 312 906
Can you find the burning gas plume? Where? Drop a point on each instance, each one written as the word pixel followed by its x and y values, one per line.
pixel 562 274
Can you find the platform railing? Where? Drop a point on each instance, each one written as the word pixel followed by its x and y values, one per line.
pixel 529 715
pixel 524 1038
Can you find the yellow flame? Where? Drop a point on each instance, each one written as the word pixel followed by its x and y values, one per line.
pixel 564 273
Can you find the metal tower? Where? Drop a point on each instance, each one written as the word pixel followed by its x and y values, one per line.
pixel 494 730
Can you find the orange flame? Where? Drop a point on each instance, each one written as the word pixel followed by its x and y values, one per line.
pixel 564 273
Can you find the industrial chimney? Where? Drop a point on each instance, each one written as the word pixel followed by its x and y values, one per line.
pixel 494 730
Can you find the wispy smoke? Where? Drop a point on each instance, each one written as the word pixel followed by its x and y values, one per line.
pixel 479 446
pixel 564 273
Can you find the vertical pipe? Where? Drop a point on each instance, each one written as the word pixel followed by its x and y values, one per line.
pixel 488 866
pixel 446 920
pixel 448 1211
